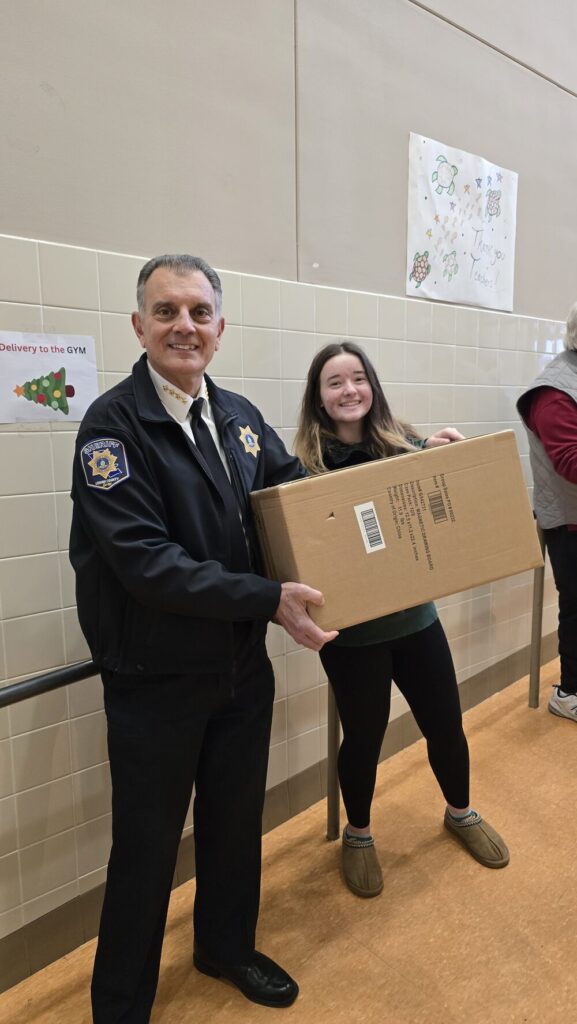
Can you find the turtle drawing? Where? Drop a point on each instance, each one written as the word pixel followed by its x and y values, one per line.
pixel 451 265
pixel 493 208
pixel 445 176
pixel 421 267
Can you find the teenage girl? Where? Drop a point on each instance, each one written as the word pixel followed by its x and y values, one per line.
pixel 345 420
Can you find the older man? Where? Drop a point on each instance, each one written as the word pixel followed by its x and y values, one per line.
pixel 175 612
pixel 549 412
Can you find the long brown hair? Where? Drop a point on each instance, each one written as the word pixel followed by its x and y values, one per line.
pixel 384 434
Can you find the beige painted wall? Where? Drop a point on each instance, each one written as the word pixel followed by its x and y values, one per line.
pixel 138 126
pixel 272 135
pixel 539 33
pixel 370 73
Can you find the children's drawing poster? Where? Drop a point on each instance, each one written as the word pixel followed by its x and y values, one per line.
pixel 461 226
pixel 46 377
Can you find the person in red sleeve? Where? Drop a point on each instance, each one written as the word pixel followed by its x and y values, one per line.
pixel 549 411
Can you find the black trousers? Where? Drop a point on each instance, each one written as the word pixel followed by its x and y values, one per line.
pixel 422 667
pixel 561 544
pixel 160 744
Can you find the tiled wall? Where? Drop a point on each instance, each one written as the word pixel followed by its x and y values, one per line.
pixel 439 365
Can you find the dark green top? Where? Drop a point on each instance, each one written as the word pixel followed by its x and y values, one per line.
pixel 337 455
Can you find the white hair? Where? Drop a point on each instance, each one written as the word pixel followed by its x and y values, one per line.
pixel 182 264
pixel 571 336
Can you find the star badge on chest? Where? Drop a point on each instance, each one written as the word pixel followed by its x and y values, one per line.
pixel 250 440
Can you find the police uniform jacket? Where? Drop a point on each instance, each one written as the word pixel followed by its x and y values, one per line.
pixel 152 541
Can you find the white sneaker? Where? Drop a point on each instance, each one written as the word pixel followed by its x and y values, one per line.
pixel 565 707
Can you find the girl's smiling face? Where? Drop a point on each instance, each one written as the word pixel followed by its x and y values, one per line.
pixel 345 395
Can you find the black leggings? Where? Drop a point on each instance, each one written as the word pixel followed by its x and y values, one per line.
pixel 422 667
pixel 562 547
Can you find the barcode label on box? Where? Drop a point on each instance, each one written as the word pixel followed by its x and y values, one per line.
pixel 437 507
pixel 370 527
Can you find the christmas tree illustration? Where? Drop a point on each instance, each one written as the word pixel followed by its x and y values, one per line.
pixel 50 391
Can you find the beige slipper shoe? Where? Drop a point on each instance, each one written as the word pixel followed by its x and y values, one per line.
pixel 361 869
pixel 477 836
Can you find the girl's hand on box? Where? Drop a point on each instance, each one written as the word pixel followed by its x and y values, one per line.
pixel 444 436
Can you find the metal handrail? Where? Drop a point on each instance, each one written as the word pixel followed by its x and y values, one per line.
pixel 83 669
pixel 48 681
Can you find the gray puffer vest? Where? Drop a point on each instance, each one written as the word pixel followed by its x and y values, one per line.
pixel 554 498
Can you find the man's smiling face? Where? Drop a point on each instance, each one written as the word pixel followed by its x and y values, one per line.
pixel 179 327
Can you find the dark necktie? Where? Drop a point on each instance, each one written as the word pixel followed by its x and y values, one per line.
pixel 211 456
pixel 207 448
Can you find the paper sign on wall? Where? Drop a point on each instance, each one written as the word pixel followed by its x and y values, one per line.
pixel 461 226
pixel 46 377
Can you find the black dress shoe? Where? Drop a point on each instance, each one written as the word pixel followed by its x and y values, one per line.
pixel 261 979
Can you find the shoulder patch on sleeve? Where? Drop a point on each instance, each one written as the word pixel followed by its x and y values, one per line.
pixel 104 462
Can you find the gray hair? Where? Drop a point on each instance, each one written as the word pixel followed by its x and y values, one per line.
pixel 183 265
pixel 571 336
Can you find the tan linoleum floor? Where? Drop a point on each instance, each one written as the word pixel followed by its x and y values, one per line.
pixel 447 942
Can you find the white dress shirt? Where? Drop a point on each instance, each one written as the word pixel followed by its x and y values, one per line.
pixel 178 404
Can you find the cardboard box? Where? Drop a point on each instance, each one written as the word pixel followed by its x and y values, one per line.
pixel 391 534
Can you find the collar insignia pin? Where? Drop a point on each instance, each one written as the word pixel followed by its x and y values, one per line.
pixel 174 393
